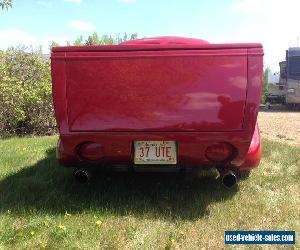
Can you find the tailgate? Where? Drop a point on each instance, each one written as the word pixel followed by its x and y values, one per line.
pixel 183 90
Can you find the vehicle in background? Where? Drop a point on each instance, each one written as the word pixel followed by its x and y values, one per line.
pixel 282 75
pixel 276 91
pixel 292 76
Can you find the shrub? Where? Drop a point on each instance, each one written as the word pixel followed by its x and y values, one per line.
pixel 25 93
pixel 265 86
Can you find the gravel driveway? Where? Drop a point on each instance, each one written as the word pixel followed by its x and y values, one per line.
pixel 280 124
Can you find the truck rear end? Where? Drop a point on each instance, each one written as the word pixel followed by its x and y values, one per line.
pixel 292 76
pixel 160 102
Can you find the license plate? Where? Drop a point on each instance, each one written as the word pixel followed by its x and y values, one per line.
pixel 155 152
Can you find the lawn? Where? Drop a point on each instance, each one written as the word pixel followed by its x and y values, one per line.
pixel 42 206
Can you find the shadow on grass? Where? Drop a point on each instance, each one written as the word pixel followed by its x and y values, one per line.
pixel 50 189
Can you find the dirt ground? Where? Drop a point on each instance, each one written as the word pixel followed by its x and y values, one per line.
pixel 280 124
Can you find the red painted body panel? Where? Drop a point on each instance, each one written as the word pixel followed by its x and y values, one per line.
pixel 155 92
pixel 179 89
pixel 254 152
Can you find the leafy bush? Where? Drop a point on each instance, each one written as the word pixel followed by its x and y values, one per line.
pixel 265 86
pixel 25 93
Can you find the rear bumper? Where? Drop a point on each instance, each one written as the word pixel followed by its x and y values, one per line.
pixel 118 148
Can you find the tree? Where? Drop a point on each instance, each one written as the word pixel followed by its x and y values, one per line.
pixel 39 50
pixel 104 40
pixel 122 39
pixel 53 44
pixel 265 86
pixel 93 39
pixel 107 40
pixel 25 92
pixel 5 4
pixel 133 36
pixel 125 38
pixel 79 41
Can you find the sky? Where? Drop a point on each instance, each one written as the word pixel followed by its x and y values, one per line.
pixel 273 23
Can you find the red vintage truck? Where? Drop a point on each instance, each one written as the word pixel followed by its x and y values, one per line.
pixel 164 102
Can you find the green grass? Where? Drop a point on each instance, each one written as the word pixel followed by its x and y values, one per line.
pixel 41 205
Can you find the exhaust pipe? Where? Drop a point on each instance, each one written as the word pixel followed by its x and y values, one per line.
pixel 229 179
pixel 82 175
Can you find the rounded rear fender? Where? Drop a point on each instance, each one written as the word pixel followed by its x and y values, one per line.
pixel 254 152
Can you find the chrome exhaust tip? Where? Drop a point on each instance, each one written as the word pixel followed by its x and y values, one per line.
pixel 229 179
pixel 82 175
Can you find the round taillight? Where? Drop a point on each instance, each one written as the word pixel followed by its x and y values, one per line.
pixel 91 151
pixel 219 152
